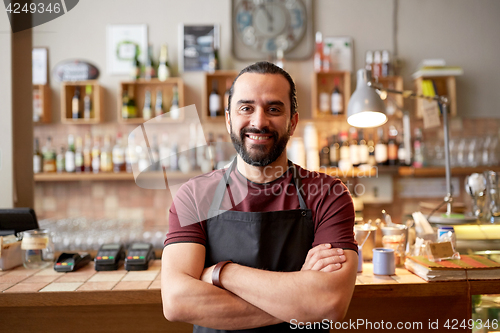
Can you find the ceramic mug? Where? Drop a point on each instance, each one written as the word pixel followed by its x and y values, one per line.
pixel 383 261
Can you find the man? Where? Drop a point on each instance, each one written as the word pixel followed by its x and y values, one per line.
pixel 281 253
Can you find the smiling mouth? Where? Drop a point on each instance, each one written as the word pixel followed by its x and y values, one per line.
pixel 258 137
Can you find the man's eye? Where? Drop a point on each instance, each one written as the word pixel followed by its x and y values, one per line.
pixel 274 110
pixel 245 108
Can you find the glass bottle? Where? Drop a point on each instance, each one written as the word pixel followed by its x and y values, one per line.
pixel 70 155
pixel 118 155
pixel 392 146
pixel 75 104
pixel 214 102
pixel 334 152
pixel 146 111
pixel 174 108
pixel 87 103
pixel 377 64
pixel 318 53
pixel 337 99
pixel 37 157
pixel 87 153
pixel 79 167
pixel 159 103
pixel 60 160
pixel 106 155
pixel 149 70
pixel 324 98
pixel 135 71
pixel 345 157
pixel 49 156
pixel 163 68
pixel 381 149
pixel 363 150
pixel 386 64
pixel 96 156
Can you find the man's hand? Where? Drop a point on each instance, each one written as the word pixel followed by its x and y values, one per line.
pixel 323 258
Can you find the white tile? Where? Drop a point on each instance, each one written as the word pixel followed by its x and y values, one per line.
pixel 68 286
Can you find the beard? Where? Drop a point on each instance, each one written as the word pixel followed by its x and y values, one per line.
pixel 261 155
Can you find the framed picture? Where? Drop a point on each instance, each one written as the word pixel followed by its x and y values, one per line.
pixel 121 44
pixel 39 64
pixel 195 46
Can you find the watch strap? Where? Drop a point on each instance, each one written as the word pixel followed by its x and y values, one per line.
pixel 216 273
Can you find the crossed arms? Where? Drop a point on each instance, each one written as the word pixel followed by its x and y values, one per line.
pixel 322 289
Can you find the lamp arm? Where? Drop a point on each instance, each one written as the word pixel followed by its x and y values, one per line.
pixel 409 93
pixel 443 100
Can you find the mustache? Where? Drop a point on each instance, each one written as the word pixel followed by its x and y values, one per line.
pixel 250 130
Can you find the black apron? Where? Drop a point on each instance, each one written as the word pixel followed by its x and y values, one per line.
pixel 274 241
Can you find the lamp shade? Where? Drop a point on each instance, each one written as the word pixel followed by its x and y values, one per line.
pixel 365 108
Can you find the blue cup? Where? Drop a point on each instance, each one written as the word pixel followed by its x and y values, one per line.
pixel 383 261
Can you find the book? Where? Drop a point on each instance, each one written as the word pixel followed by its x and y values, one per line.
pixel 430 71
pixel 468 267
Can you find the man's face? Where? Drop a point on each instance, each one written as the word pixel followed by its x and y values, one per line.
pixel 259 121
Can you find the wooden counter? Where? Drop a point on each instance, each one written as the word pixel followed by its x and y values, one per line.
pixel 121 301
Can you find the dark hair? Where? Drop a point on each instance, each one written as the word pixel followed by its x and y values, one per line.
pixel 264 67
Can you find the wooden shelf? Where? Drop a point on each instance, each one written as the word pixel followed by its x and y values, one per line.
pixel 222 78
pixel 106 176
pixel 140 86
pixel 67 92
pixel 324 81
pixel 444 85
pixel 440 171
pixel 45 101
pixel 351 173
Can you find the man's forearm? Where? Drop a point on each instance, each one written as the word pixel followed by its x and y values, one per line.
pixel 304 295
pixel 199 303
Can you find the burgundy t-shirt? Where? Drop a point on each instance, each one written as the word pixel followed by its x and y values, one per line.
pixel 327 197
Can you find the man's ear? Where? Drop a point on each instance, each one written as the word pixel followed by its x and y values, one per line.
pixel 294 121
pixel 228 121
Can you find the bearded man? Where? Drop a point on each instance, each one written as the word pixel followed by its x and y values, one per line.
pixel 264 244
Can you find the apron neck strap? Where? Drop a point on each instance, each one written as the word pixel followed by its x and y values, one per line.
pixel 221 188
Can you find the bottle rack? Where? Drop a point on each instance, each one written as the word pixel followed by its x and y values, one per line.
pixel 324 81
pixel 67 92
pixel 444 86
pixel 140 86
pixel 45 102
pixel 221 77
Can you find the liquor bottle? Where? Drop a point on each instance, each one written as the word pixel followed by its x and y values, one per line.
pixel 96 156
pixel 106 156
pixel 75 104
pixel 163 68
pixel 118 155
pixel 87 103
pixel 70 155
pixel 226 94
pixel 369 61
pixel 37 157
pixel 159 103
pixel 131 157
pixel 164 152
pixel 146 111
pixel 60 160
pixel 345 158
pixel 392 146
pixel 143 163
pixel 149 70
pixel 79 167
pixel 37 105
pixel 135 71
pixel 363 150
pixel 401 150
pixel 334 152
pixel 213 57
pixel 354 147
pixel 324 154
pixel 386 63
pixel 371 151
pixel 324 98
pixel 174 108
pixel 327 64
pixel 214 102
pixel 131 109
pixel 49 156
pixel 337 99
pixel 381 149
pixel 318 53
pixel 418 149
pixel 377 64
pixel 87 153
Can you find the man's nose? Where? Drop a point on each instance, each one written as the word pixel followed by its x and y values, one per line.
pixel 259 119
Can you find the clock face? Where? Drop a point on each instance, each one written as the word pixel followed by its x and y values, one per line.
pixel 269 25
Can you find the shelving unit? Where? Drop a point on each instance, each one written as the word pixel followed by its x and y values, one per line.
pixel 440 171
pixel 45 100
pixel 444 85
pixel 107 176
pixel 222 78
pixel 67 93
pixel 324 81
pixel 140 86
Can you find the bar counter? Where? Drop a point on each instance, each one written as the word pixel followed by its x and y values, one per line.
pixel 121 301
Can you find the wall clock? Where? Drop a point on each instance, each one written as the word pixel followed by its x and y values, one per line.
pixel 261 27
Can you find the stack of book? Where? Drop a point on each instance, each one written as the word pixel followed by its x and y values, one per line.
pixel 436 67
pixel 468 267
